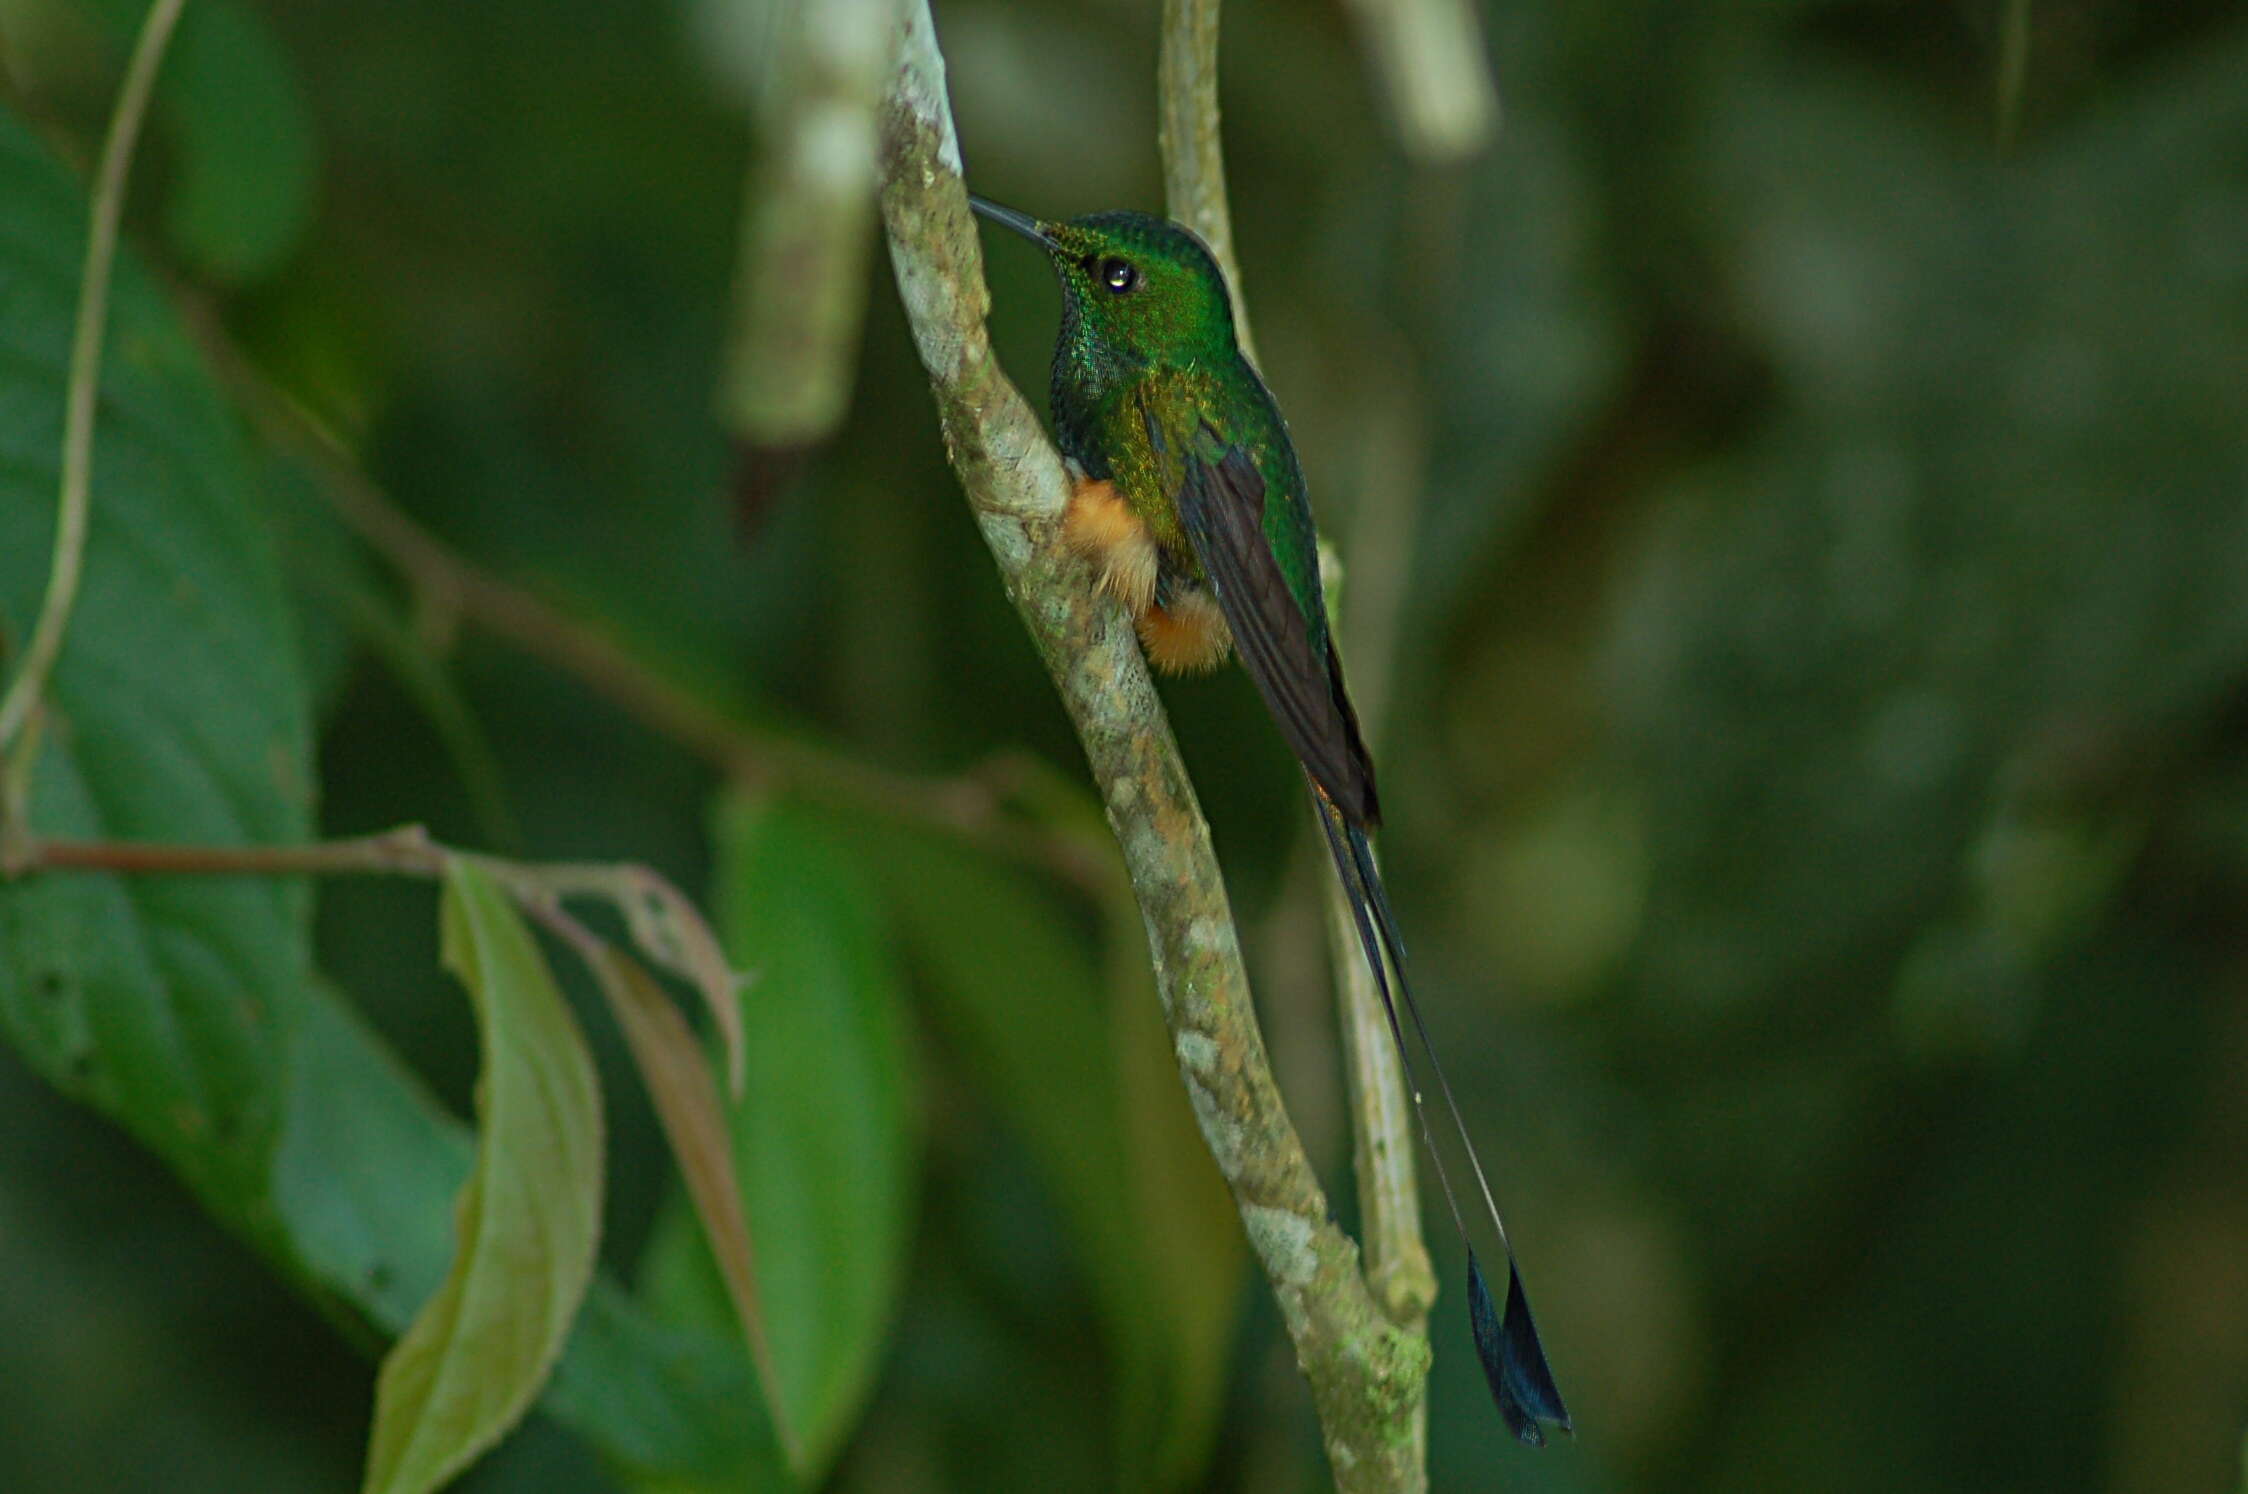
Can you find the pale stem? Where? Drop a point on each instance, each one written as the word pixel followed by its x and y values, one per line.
pixel 1367 1375
pixel 76 503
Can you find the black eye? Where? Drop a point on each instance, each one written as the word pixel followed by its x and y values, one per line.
pixel 1118 275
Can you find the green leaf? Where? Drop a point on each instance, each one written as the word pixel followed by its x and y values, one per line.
pixel 529 1220
pixel 1087 1079
pixel 245 163
pixel 824 1129
pixel 823 1133
pixel 367 1170
pixel 185 1008
pixel 177 713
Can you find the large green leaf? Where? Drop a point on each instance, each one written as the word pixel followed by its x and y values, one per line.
pixel 528 1222
pixel 1093 1092
pixel 824 1129
pixel 177 714
pixel 368 1167
pixel 242 185
pixel 185 1008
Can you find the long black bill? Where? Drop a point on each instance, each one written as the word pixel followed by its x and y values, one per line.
pixel 1022 223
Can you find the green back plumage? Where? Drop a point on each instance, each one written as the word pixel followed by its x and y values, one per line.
pixel 1144 377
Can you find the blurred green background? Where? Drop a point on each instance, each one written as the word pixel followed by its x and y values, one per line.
pixel 1797 517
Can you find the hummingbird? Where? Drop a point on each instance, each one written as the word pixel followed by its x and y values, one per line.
pixel 1189 505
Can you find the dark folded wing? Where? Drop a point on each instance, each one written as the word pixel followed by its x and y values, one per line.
pixel 1221 507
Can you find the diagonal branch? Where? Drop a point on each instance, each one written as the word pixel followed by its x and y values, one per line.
pixel 972 805
pixel 1366 1374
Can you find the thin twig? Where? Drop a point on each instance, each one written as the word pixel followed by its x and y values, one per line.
pixel 1383 1154
pixel 76 503
pixel 406 851
pixel 1186 130
pixel 663 922
pixel 1366 1374
pixel 1396 1258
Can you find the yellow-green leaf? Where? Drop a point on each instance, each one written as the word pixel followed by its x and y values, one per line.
pixel 528 1221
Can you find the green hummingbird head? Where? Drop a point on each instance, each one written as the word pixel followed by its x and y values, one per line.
pixel 1136 288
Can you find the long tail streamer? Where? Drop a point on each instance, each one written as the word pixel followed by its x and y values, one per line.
pixel 1514 1362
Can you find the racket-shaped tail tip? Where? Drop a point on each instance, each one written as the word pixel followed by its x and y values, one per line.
pixel 1513 1360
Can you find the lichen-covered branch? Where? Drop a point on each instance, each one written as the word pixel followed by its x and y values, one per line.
pixel 1366 1374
